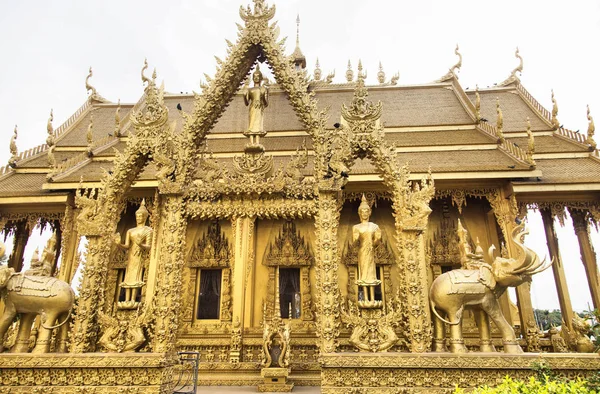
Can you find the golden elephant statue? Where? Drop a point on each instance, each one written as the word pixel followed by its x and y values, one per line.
pixel 480 287
pixel 31 295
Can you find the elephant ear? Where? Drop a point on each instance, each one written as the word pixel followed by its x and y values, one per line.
pixel 486 277
pixel 5 274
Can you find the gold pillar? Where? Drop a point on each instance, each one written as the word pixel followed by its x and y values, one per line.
pixel 415 285
pixel 22 232
pixel 564 299
pixel 588 256
pixel 243 233
pixel 69 246
pixel 85 327
pixel 328 293
pixel 171 250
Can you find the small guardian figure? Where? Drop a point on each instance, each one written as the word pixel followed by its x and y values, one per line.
pixel 257 99
pixel 365 236
pixel 137 240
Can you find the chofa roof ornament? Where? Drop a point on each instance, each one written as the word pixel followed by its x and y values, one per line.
pixel 513 78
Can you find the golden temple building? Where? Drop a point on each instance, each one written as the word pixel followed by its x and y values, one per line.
pixel 294 231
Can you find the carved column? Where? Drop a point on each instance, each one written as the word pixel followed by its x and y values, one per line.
pixel 411 245
pixel 328 293
pixel 566 308
pixel 85 327
pixel 167 291
pixel 505 209
pixel 588 256
pixel 69 246
pixel 22 232
pixel 243 232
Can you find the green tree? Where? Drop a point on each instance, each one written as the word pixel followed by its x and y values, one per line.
pixel 547 318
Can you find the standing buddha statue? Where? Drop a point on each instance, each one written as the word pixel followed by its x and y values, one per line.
pixel 137 240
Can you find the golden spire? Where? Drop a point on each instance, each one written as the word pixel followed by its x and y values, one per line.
pixel 298 31
pixel 499 122
pixel 477 104
pixel 13 149
pixel 361 75
pixel 590 131
pixel 50 130
pixel 530 144
pixel 458 64
pixel 555 123
pixel 349 73
pixel 317 73
pixel 89 87
pixel 299 59
pixel 118 120
pixel 145 78
pixel 381 74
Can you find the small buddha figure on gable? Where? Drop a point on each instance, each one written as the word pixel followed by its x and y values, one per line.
pixel 137 240
pixel 257 99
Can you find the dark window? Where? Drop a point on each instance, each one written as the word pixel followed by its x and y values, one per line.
pixel 209 296
pixel 378 295
pixel 289 292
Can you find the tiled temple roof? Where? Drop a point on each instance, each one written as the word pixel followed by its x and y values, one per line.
pixel 431 126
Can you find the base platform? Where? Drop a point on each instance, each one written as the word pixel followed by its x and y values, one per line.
pixel 440 372
pixel 101 373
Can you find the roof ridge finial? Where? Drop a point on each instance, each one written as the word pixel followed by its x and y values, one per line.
pixel 381 74
pixel 591 130
pixel 50 130
pixel 90 135
pixel 89 87
pixel 317 73
pixel 499 122
pixel 458 64
pixel 145 78
pixel 477 104
pixel 555 122
pixel 530 144
pixel 519 68
pixel 349 72
pixel 118 119
pixel 13 149
pixel 513 74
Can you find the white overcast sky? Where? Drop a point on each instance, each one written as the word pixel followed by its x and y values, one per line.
pixel 47 47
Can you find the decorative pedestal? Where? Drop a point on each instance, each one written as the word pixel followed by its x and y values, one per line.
pixel 99 373
pixel 275 380
pixel 439 373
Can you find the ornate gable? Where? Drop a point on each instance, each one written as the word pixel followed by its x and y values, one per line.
pixel 289 249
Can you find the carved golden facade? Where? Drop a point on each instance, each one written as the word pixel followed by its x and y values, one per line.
pixel 235 227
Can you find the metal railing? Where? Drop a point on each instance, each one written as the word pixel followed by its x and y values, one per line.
pixel 188 374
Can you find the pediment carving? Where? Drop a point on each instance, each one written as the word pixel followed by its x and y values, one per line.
pixel 289 249
pixel 212 250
